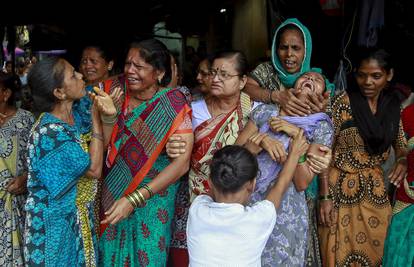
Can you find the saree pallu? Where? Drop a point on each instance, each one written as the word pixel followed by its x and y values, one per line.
pixel 398 248
pixel 212 135
pixel 136 156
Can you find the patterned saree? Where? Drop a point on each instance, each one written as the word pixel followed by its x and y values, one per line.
pixel 212 135
pixel 136 155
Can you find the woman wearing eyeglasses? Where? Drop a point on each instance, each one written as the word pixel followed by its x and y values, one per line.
pixel 217 121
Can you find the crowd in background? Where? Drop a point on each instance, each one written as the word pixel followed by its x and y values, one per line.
pixel 270 166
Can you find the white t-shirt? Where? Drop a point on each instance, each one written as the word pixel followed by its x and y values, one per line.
pixel 222 234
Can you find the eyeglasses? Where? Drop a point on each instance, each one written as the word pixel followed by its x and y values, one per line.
pixel 223 76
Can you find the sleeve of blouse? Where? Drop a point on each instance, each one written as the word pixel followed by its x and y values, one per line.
pixel 61 160
pixel 259 74
pixel 262 113
pixel 323 134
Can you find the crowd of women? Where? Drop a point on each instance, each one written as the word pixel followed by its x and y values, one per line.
pixel 267 168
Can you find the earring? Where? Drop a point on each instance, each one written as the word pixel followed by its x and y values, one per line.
pixel 109 68
pixel 159 80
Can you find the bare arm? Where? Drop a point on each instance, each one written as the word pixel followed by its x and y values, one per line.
pixel 177 168
pixel 257 93
pixel 108 111
pixel 244 137
pixel 307 170
pixel 96 146
pixel 297 148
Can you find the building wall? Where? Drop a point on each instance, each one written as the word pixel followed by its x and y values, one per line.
pixel 250 30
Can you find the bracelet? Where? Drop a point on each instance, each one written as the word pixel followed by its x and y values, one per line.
pixel 302 159
pixel 149 189
pixel 132 201
pixel 401 158
pixel 136 199
pixel 141 197
pixel 325 197
pixel 109 119
pixel 97 136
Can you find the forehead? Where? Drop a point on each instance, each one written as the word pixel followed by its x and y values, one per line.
pixel 315 75
pixel 91 52
pixel 291 34
pixel 224 64
pixel 371 65
pixel 134 54
pixel 203 64
pixel 67 68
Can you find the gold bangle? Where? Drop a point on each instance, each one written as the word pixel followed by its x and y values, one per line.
pixel 131 200
pixel 138 199
pixel 141 196
pixel 148 188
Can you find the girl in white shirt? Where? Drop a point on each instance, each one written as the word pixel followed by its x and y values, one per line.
pixel 221 229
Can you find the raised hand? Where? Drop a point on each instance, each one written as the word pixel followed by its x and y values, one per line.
pixel 318 164
pixel 105 102
pixel 299 145
pixel 253 143
pixel 274 148
pixel 318 102
pixel 292 105
pixel 276 124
